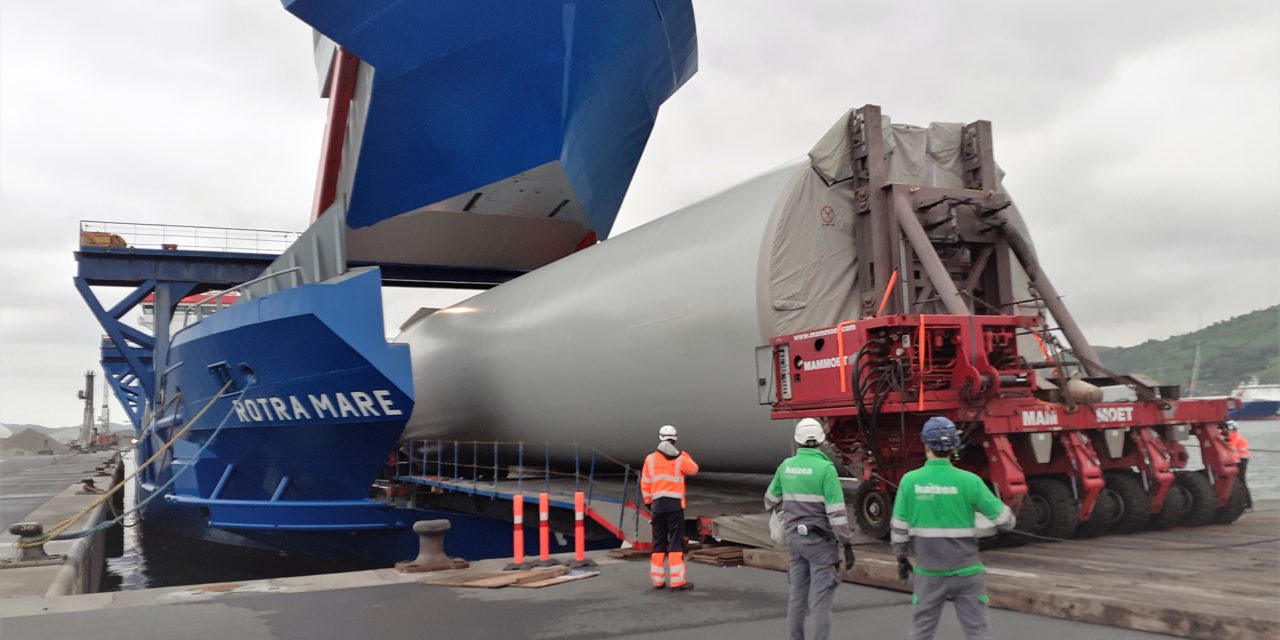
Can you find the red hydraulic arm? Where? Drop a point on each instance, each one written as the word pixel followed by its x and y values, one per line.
pixel 1217 459
pixel 1085 464
pixel 1006 473
pixel 1155 465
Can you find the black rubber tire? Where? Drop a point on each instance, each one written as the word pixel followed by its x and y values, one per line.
pixel 1177 504
pixel 1136 500
pixel 1050 510
pixel 1204 500
pixel 1106 511
pixel 1235 506
pixel 872 510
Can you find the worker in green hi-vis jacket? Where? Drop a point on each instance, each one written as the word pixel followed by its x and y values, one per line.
pixel 807 489
pixel 933 515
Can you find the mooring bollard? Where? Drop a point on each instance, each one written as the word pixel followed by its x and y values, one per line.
pixel 517 537
pixel 544 532
pixel 579 532
pixel 29 532
pixel 431 556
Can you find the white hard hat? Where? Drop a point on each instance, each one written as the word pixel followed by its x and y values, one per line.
pixel 667 433
pixel 809 432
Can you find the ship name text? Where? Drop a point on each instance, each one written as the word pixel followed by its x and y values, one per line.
pixel 353 404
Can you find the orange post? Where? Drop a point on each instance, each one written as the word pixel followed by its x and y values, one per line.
pixel 579 532
pixel 517 519
pixel 517 536
pixel 544 528
pixel 579 527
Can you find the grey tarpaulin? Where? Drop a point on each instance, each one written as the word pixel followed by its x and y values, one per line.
pixel 810 253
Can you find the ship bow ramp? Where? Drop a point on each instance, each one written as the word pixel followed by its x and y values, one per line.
pixel 495 134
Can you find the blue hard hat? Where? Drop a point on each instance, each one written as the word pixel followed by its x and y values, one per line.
pixel 939 434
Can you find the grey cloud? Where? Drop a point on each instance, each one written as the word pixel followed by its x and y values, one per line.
pixel 1140 140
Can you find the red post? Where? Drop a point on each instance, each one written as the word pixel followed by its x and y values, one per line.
pixel 517 518
pixel 544 528
pixel 579 527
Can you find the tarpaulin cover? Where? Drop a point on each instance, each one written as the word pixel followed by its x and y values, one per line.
pixel 811 256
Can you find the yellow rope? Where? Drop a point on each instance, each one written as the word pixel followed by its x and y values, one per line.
pixel 66 524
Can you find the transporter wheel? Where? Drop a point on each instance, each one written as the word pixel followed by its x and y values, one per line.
pixel 1107 510
pixel 1134 498
pixel 1177 504
pixel 872 508
pixel 1204 501
pixel 1235 506
pixel 1049 509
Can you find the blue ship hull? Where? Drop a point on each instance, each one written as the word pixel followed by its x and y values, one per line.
pixel 465 94
pixel 285 458
pixel 283 409
pixel 1255 410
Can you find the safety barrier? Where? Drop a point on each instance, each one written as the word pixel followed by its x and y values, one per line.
pixel 609 488
pixel 97 233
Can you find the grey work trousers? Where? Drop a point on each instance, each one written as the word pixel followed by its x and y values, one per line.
pixel 814 577
pixel 967 593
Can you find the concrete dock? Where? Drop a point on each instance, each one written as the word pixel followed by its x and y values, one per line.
pixel 26 482
pixel 55 487
pixel 1220 582
pixel 734 602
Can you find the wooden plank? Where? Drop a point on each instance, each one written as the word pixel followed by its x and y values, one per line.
pixel 569 577
pixel 629 554
pixel 497 580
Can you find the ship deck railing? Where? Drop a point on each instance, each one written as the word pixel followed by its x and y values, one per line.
pixel 178 237
pixel 507 471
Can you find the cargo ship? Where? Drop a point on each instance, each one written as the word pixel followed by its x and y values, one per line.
pixel 462 139
pixel 1257 401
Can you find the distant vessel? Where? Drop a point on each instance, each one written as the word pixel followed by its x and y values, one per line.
pixel 1257 401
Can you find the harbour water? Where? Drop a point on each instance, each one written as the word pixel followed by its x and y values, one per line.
pixel 154 557
pixel 1264 464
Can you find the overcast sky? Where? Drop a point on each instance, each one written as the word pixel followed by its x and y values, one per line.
pixel 1140 140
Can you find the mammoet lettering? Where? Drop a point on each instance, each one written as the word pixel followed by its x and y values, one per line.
pixel 1039 418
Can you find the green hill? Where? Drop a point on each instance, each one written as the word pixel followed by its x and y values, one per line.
pixel 1231 351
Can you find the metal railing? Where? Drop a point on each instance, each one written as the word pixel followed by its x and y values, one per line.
pixel 493 467
pixel 217 296
pixel 97 233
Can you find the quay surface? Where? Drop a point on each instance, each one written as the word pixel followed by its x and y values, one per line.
pixel 26 482
pixel 728 603
pixel 55 488
pixel 1218 582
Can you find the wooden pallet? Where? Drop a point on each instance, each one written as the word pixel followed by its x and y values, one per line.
pixel 724 556
pixel 629 554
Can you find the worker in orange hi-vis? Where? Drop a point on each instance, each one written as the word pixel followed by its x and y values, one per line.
pixel 1240 454
pixel 662 485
